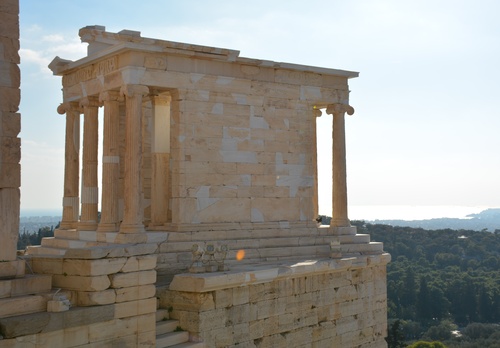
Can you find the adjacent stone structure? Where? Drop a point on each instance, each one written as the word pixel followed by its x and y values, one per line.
pixel 200 146
pixel 10 144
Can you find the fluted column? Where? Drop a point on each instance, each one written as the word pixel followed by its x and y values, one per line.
pixel 133 211
pixel 90 191
pixel 160 158
pixel 71 197
pixel 110 162
pixel 339 182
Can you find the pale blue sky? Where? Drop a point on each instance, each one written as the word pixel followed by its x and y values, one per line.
pixel 427 122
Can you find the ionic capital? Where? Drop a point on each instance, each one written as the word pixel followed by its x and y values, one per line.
pixel 90 102
pixel 68 106
pixel 109 96
pixel 134 90
pixel 339 109
pixel 317 112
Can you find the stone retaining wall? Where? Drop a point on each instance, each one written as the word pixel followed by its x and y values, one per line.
pixel 113 289
pixel 329 303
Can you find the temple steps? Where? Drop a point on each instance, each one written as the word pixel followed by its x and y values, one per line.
pixel 62 243
pixel 169 334
pixel 25 295
pixel 27 285
pixel 39 250
pixel 19 305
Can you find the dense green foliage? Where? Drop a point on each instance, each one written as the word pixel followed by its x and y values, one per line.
pixel 27 238
pixel 439 281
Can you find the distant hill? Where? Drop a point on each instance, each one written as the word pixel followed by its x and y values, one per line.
pixel 488 219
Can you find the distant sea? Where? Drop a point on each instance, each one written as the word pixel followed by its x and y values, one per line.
pixel 411 212
pixel 360 212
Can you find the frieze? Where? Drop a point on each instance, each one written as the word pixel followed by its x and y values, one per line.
pixel 90 72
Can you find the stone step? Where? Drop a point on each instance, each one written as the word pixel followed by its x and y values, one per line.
pixel 53 242
pixel 41 250
pixel 20 305
pixel 281 242
pixel 29 284
pixel 107 237
pixel 190 345
pixel 365 249
pixel 162 314
pixel 171 339
pixel 166 326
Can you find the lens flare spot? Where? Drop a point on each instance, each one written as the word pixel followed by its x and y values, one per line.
pixel 240 255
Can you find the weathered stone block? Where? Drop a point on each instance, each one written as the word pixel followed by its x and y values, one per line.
pixel 140 263
pixel 10 150
pixel 188 301
pixel 76 336
pixel 135 293
pixel 10 124
pixel 80 283
pixel 9 49
pixel 31 284
pixel 47 265
pixel 11 269
pixel 9 75
pixel 22 305
pixel 124 280
pixel 10 97
pixel 135 308
pixel 94 298
pixel 112 329
pixel 9 222
pixel 93 267
pixel 10 177
pixel 10 6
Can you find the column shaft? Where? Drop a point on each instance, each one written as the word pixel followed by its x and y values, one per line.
pixel 133 211
pixel 90 191
pixel 339 175
pixel 160 159
pixel 71 204
pixel 110 162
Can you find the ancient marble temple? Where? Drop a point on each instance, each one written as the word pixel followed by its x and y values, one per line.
pixel 206 211
pixel 194 135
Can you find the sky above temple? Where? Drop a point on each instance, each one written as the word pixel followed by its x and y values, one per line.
pixel 426 131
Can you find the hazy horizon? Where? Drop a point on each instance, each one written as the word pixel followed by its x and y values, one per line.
pixel 356 212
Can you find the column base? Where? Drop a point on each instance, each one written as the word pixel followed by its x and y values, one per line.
pixel 86 226
pixel 68 225
pixel 108 227
pixel 132 228
pixel 131 238
pixel 343 230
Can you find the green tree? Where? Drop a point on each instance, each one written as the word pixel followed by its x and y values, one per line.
pixel 424 344
pixel 424 310
pixel 395 337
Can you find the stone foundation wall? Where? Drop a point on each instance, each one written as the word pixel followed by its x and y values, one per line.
pixel 10 126
pixel 343 306
pixel 113 296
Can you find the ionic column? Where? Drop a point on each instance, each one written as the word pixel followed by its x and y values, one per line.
pixel 160 157
pixel 339 182
pixel 133 213
pixel 110 162
pixel 71 197
pixel 90 191
pixel 316 113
